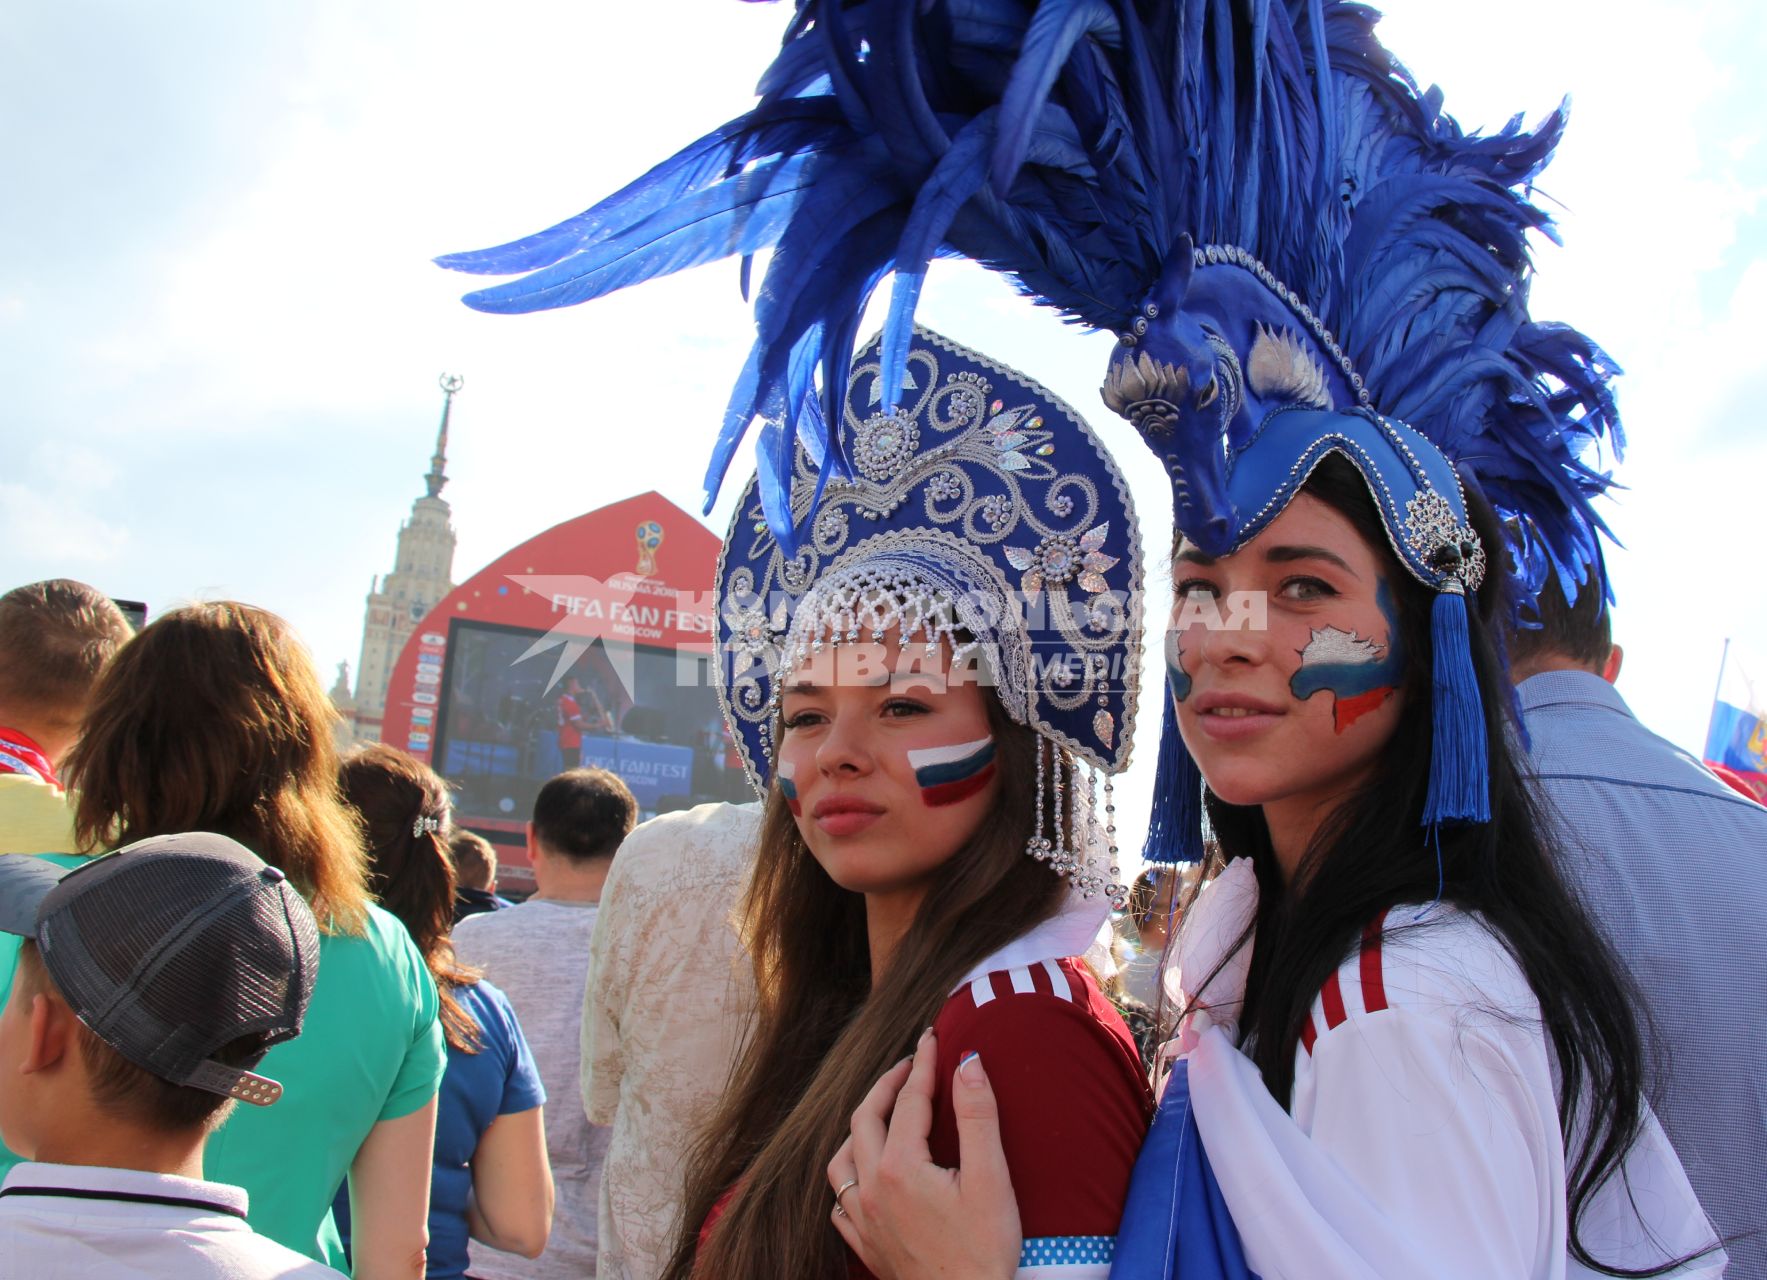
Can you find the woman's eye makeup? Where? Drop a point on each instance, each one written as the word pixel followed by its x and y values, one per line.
pixel 1195 587
pixel 1304 588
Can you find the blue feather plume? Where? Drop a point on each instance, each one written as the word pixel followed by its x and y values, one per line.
pixel 1068 144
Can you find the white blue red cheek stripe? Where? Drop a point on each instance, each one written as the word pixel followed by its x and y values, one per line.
pixel 1353 669
pixel 788 787
pixel 946 775
pixel 1176 681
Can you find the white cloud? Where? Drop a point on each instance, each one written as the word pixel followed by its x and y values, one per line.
pixel 59 516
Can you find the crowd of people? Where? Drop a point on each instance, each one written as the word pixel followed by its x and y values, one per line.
pixel 404 1133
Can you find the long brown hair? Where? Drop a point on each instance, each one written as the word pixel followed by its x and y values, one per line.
pixel 823 1034
pixel 213 719
pixel 404 808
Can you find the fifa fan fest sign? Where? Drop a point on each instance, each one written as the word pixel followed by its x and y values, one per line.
pixel 589 645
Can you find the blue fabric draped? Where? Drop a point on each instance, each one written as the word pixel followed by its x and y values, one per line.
pixel 1176 1225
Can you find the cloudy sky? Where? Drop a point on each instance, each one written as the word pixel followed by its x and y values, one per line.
pixel 220 332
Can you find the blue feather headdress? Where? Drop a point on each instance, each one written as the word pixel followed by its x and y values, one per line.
pixel 1083 148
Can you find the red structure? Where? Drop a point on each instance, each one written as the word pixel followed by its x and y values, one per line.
pixel 589 643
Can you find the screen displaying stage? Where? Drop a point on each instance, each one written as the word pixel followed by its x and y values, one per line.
pixel 506 723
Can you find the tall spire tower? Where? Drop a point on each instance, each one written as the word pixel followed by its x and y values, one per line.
pixel 423 569
pixel 438 461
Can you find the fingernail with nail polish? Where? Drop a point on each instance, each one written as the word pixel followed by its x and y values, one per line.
pixel 972 1058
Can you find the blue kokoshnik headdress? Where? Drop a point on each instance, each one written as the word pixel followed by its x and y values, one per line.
pixel 1364 265
pixel 1242 392
pixel 983 512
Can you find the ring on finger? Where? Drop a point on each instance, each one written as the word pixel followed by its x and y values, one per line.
pixel 842 1190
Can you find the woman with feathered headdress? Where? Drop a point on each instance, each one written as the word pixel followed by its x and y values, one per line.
pixel 1408 1049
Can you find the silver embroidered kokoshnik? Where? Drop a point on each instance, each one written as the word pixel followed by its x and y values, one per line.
pixel 981 515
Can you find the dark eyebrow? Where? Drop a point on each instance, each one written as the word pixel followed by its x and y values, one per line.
pixel 1190 555
pixel 1286 555
pixel 809 688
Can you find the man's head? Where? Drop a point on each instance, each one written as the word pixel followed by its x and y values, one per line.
pixel 55 638
pixel 580 818
pixel 475 860
pixel 1570 637
pixel 151 981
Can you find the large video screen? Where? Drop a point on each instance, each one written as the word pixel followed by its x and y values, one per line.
pixel 506 724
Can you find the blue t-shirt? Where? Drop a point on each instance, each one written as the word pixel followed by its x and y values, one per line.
pixel 500 1079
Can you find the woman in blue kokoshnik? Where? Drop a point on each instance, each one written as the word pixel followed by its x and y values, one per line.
pixel 934 850
pixel 1403 1049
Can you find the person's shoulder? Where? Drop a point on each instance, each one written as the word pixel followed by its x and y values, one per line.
pixel 384 947
pixel 385 931
pixel 263 1256
pixel 1050 998
pixel 34 816
pixel 1432 965
pixel 513 919
pixel 715 839
pixel 489 1006
pixel 1582 733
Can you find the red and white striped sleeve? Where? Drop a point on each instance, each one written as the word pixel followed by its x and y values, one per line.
pixel 1074 1106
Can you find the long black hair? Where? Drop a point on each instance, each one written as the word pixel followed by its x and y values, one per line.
pixel 1372 854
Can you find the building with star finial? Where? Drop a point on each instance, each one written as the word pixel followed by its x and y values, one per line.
pixel 423 569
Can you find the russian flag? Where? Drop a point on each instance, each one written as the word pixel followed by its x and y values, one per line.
pixel 1736 739
pixel 1176 1225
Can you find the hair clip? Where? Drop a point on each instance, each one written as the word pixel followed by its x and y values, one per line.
pixel 422 824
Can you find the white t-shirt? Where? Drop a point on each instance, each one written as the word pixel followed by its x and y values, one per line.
pixel 79 1222
pixel 538 953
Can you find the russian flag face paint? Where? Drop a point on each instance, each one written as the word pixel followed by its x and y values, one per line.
pixel 947 775
pixel 786 773
pixel 1177 683
pixel 1359 673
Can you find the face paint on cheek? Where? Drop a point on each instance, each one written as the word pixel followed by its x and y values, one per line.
pixel 788 788
pixel 947 775
pixel 1360 674
pixel 1176 680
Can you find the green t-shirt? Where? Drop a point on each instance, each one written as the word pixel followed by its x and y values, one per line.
pixel 370 1049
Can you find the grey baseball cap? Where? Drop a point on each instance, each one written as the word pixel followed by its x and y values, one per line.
pixel 171 948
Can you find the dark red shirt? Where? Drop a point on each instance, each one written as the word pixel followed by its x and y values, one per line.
pixel 1073 1097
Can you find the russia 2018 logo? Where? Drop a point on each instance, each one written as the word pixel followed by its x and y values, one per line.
pixel 650 537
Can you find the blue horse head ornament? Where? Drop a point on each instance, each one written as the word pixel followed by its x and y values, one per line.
pixel 1215 348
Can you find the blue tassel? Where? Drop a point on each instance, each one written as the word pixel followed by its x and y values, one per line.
pixel 1175 829
pixel 1460 774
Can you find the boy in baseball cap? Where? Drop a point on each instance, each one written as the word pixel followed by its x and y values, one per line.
pixel 152 980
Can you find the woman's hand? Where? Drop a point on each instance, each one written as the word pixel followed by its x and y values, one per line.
pixel 907 1218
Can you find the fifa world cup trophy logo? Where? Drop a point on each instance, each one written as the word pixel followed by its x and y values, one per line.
pixel 650 537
